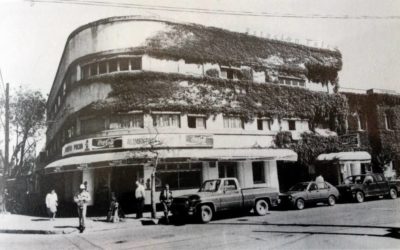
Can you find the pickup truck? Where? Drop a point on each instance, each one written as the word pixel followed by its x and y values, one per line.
pixel 224 194
pixel 357 187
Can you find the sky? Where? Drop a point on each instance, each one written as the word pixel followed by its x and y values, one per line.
pixel 33 34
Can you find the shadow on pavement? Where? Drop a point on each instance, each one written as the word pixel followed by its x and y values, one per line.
pixel 66 227
pixel 40 219
pixel 391 234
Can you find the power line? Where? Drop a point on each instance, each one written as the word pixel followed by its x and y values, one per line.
pixel 210 11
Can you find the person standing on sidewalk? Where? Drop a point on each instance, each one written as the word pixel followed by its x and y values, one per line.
pixel 140 196
pixel 51 204
pixel 81 199
pixel 166 201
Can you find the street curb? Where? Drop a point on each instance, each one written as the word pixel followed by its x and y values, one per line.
pixel 29 231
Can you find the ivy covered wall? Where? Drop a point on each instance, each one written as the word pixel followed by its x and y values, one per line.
pixel 149 91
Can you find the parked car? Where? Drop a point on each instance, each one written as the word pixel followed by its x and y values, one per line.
pixel 224 194
pixel 309 192
pixel 357 187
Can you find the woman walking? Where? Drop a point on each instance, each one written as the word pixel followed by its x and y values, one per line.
pixel 52 203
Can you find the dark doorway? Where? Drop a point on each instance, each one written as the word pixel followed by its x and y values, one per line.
pixel 123 184
pixel 290 173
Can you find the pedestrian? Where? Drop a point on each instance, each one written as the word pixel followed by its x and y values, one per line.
pixel 166 201
pixel 51 204
pixel 114 211
pixel 319 180
pixel 81 199
pixel 140 197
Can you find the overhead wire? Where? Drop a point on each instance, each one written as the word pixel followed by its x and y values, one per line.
pixel 211 11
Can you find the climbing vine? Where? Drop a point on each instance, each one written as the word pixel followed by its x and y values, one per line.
pixel 174 92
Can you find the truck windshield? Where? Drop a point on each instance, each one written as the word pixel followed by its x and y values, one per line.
pixel 299 187
pixel 210 186
pixel 357 179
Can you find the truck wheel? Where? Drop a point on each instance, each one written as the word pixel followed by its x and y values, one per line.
pixel 359 196
pixel 393 193
pixel 261 207
pixel 331 200
pixel 300 204
pixel 206 213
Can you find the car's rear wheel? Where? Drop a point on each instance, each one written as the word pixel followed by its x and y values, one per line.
pixel 300 204
pixel 261 207
pixel 393 193
pixel 206 213
pixel 331 200
pixel 359 196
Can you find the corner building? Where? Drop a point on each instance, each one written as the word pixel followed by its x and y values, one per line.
pixel 207 101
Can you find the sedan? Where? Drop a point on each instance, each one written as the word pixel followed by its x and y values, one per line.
pixel 310 192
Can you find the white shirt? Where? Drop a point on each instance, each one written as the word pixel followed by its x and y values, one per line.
pixel 51 200
pixel 139 192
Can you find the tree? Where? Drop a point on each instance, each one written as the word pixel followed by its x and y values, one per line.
pixel 27 111
pixel 150 153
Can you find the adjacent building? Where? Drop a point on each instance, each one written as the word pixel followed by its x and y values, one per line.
pixel 374 118
pixel 205 102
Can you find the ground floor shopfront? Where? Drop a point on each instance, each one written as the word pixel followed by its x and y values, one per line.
pixel 117 172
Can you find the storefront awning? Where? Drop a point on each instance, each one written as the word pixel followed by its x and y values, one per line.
pixel 346 156
pixel 80 162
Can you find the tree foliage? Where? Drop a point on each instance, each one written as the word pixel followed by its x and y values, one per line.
pixel 27 116
pixel 311 145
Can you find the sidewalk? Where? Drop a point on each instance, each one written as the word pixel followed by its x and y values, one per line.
pixel 22 224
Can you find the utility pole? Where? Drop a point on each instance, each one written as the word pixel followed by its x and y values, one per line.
pixel 6 132
pixel 6 152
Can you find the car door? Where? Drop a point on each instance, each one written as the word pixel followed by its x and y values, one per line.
pixel 313 192
pixel 383 185
pixel 370 186
pixel 231 197
pixel 323 189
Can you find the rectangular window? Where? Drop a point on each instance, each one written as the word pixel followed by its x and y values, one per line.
pixel 85 72
pixel 136 63
pixel 126 121
pixel 112 65
pixel 166 120
pixel 264 124
pixel 227 169
pixel 102 67
pixel 292 125
pixel 233 122
pixel 179 175
pixel 196 122
pixel 362 122
pixel 123 64
pixel 258 172
pixel 92 125
pixel 389 121
pixel 93 69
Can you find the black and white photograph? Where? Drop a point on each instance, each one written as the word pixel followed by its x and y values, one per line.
pixel 214 124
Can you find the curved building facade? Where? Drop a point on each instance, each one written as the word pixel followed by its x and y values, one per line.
pixel 205 102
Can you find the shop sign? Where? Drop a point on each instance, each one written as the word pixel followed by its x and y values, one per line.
pixel 138 141
pixel 199 140
pixel 352 140
pixel 106 143
pixel 76 147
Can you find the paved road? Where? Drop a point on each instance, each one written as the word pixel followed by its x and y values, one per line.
pixel 371 225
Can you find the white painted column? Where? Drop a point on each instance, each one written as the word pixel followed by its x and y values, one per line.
pixel 271 174
pixel 88 176
pixel 247 174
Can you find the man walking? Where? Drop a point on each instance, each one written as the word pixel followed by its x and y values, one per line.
pixel 81 199
pixel 140 196
pixel 166 200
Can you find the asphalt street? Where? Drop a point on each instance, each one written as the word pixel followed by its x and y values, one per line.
pixel 374 224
